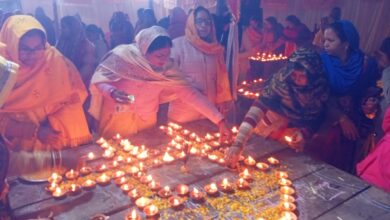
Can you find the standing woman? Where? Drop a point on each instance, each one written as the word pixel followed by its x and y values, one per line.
pixel 200 58
pixel 353 105
pixel 43 112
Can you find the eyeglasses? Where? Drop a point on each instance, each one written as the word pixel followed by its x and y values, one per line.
pixel 25 49
pixel 200 21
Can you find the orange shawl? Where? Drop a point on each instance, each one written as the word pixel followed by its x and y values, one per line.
pixel 51 81
pixel 213 48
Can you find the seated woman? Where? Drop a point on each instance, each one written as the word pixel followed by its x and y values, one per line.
pixel 292 102
pixel 44 110
pixel 200 58
pixel 375 168
pixel 145 70
pixel 353 104
pixel 291 32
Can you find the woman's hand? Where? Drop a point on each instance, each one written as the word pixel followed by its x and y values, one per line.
pixel 224 131
pixel 225 107
pixel 232 156
pixel 48 135
pixel 121 97
pixel 349 129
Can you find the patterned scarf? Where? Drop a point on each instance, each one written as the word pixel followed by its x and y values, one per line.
pixel 300 104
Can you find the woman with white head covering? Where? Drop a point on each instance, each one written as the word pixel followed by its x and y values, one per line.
pixel 142 69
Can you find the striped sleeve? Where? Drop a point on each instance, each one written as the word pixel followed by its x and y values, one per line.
pixel 252 117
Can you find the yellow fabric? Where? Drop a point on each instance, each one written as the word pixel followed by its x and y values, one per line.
pixel 50 90
pixel 127 62
pixel 213 48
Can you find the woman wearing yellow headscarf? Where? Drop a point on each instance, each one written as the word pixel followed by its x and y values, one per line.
pixel 200 58
pixel 43 111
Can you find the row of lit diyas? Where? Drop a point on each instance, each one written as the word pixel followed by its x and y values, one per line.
pixel 141 153
pixel 250 89
pixel 264 57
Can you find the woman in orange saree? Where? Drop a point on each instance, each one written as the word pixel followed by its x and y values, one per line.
pixel 43 111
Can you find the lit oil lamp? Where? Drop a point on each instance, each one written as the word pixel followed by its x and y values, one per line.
pixel 134 151
pixel 119 174
pixel 288 139
pixel 285 182
pixel 176 202
pixel 139 175
pixel 162 127
pixel 117 137
pixel 215 144
pixel 182 155
pixel 59 193
pixel 209 137
pixel 74 189
pixel 128 147
pixel 213 157
pixel 168 158
pixel 196 195
pixel 142 202
pixel 105 145
pixel 133 215
pixel 151 211
pixel 154 185
pixel 122 180
pixel 100 140
pixel 108 154
pixel 103 179
pixel 282 174
pixel 286 215
pixel 234 130
pixel 206 147
pixel 178 139
pixel 178 146
pixel 211 189
pixel 91 156
pixel 102 168
pixel 134 194
pixel 203 153
pixel 246 175
pixel 120 159
pixel 157 162
pixel 165 192
pixel 226 186
pixel 182 189
pixel 194 151
pixel 141 166
pixel 242 184
pixel 193 136
pixel 288 206
pixel 287 198
pixel 146 179
pixel 186 132
pixel 51 187
pixel 287 190
pixel 143 155
pixel 55 177
pixel 88 184
pixel 221 161
pixel 262 166
pixel 250 161
pixel 128 160
pixel 114 164
pixel 133 170
pixel 126 187
pixel 273 161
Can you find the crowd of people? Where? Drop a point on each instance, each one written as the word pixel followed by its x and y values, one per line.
pixel 86 82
